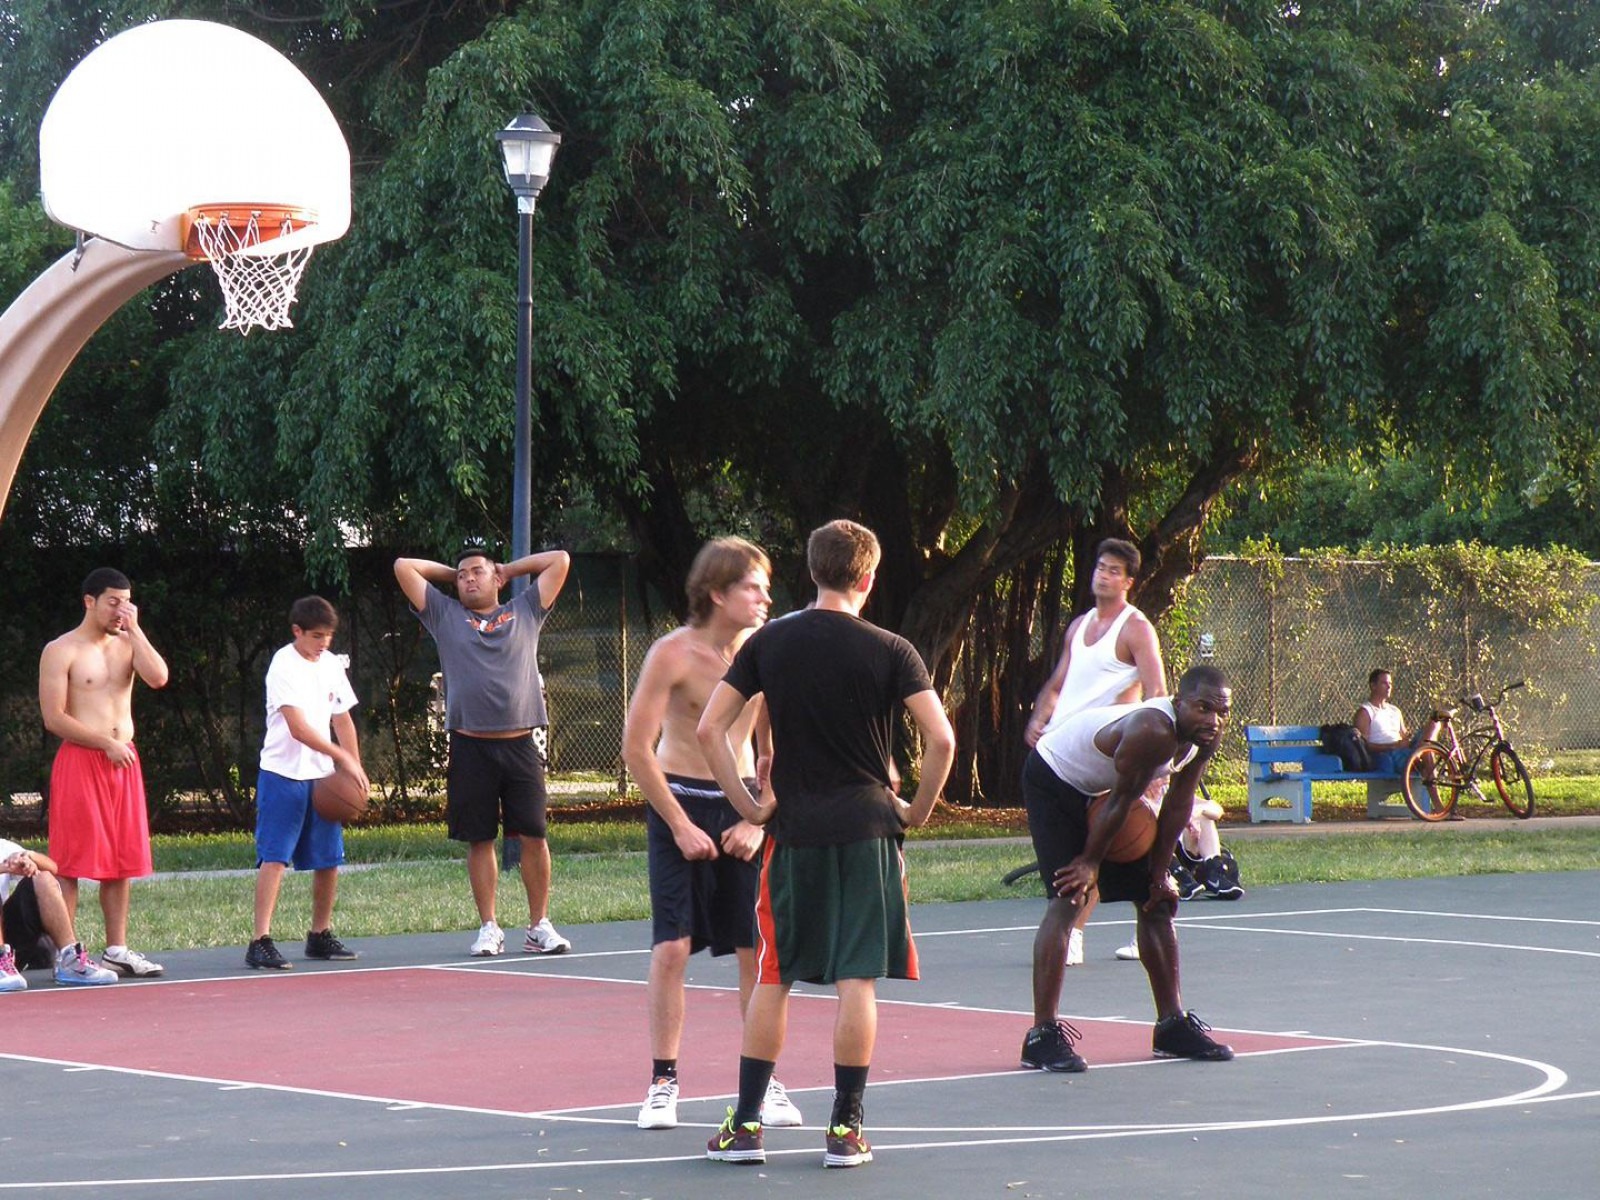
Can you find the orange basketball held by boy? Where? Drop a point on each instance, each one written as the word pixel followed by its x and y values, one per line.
pixel 1137 835
pixel 339 797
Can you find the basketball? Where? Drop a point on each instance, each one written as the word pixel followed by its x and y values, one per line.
pixel 338 797
pixel 1138 832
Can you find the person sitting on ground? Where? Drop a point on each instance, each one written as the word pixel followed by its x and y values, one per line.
pixel 35 927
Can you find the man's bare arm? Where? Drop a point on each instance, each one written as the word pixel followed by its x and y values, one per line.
pixel 721 713
pixel 549 568
pixel 415 574
pixel 1050 694
pixel 1145 650
pixel 938 754
pixel 1145 742
pixel 640 733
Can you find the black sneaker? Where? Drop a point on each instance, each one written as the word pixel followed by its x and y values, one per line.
pixel 1186 1036
pixel 326 945
pixel 1049 1048
pixel 1220 877
pixel 1187 884
pixel 264 956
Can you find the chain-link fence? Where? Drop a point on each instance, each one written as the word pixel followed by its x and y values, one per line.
pixel 1296 637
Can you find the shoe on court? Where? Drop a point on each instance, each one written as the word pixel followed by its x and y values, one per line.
pixel 736 1143
pixel 263 955
pixel 777 1109
pixel 543 939
pixel 660 1107
pixel 1075 948
pixel 1220 877
pixel 325 944
pixel 1187 1036
pixel 1049 1048
pixel 491 940
pixel 131 962
pixel 1130 952
pixel 846 1147
pixel 74 968
pixel 11 979
pixel 1188 886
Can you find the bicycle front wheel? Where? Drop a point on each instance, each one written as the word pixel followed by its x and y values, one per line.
pixel 1511 779
pixel 1432 781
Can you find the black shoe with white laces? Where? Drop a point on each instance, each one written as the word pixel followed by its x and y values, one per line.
pixel 1187 1036
pixel 1049 1048
pixel 1183 878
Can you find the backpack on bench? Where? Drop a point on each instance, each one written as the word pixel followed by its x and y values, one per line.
pixel 1346 742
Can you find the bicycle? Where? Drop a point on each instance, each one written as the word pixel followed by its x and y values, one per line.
pixel 1447 762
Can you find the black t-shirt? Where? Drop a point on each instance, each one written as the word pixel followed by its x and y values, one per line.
pixel 834 686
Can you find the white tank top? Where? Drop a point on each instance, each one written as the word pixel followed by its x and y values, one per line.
pixel 1096 677
pixel 1069 750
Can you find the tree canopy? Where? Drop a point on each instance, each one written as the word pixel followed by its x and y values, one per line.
pixel 996 278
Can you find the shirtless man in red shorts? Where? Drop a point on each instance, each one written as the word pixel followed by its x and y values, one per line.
pixel 99 825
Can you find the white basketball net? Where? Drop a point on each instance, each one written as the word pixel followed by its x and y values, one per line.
pixel 257 289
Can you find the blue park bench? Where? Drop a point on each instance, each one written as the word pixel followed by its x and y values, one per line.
pixel 1276 794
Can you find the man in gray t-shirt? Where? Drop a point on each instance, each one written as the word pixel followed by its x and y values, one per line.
pixel 489 653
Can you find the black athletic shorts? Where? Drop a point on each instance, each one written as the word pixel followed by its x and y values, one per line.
pixel 24 927
pixel 712 902
pixel 1058 819
pixel 494 781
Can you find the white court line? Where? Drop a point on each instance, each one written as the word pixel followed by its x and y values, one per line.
pixel 1541 1093
pixel 1413 941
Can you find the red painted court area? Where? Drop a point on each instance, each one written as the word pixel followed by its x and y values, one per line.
pixel 503 1040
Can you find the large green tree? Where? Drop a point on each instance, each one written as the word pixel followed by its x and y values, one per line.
pixel 997 278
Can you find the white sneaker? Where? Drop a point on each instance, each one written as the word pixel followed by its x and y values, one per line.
pixel 74 968
pixel 491 940
pixel 777 1108
pixel 1075 948
pixel 660 1108
pixel 126 961
pixel 11 979
pixel 1130 952
pixel 543 939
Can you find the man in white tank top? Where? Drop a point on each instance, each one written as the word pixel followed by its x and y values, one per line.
pixel 1380 722
pixel 1117 752
pixel 1110 656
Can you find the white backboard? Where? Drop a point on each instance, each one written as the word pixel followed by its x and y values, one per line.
pixel 175 114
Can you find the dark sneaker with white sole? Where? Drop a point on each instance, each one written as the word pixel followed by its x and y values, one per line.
pixel 263 955
pixel 846 1147
pixel 1049 1048
pixel 325 945
pixel 737 1143
pixel 1187 1036
pixel 1220 877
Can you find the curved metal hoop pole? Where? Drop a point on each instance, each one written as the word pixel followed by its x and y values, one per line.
pixel 45 327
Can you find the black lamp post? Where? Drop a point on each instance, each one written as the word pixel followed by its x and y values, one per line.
pixel 527 146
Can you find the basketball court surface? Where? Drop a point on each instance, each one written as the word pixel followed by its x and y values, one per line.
pixel 1420 1038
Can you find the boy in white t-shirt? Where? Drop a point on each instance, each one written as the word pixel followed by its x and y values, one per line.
pixel 309 699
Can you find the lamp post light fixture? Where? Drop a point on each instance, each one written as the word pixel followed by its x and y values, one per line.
pixel 527 148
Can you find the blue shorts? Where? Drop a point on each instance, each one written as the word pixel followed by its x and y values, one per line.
pixel 288 828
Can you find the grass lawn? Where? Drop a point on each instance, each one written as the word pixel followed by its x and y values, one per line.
pixel 411 879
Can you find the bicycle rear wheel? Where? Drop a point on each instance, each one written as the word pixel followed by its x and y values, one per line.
pixel 1512 781
pixel 1432 782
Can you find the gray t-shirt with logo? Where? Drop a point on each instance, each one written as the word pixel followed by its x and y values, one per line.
pixel 490 661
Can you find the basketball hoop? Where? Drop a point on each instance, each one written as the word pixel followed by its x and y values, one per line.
pixel 258 285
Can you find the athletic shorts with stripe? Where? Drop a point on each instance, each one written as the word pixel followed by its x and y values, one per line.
pixel 827 913
pixel 1058 819
pixel 709 901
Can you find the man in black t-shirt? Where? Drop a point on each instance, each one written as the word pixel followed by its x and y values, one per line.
pixel 832 901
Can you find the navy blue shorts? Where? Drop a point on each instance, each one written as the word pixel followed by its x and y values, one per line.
pixel 288 828
pixel 711 902
pixel 493 782
pixel 1058 819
